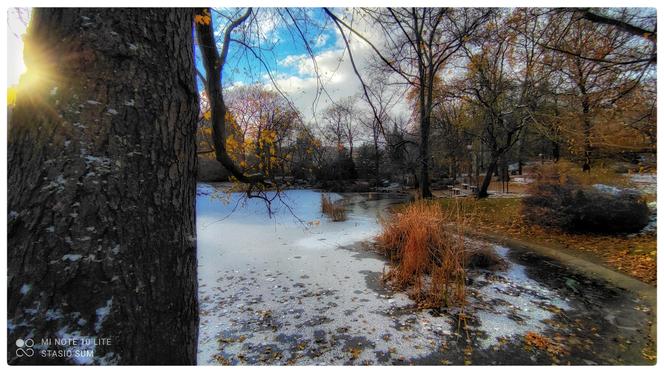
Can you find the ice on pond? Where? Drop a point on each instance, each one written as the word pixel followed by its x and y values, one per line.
pixel 518 303
pixel 294 288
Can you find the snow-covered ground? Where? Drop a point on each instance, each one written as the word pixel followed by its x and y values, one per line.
pixel 274 290
pixel 646 182
pixel 287 290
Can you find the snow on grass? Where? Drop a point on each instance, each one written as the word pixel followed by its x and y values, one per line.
pixel 52 314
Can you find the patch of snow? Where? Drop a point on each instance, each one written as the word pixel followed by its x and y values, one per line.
pixel 112 111
pixel 516 295
pixel 93 102
pixel 25 289
pixel 94 159
pixel 646 182
pixel 609 189
pixel 58 183
pixel 72 257
pixel 33 310
pixel 52 314
pixel 102 314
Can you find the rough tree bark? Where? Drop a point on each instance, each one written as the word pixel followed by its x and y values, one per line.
pixel 101 187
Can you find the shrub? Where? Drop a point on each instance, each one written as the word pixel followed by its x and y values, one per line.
pixel 425 257
pixel 335 211
pixel 341 168
pixel 484 257
pixel 568 205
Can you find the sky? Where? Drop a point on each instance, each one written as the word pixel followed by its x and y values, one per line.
pixel 282 52
pixel 16 25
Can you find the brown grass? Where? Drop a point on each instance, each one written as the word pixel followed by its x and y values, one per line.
pixel 634 255
pixel 335 211
pixel 425 257
pixel 564 171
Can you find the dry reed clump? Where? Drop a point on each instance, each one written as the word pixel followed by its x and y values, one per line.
pixel 426 258
pixel 335 211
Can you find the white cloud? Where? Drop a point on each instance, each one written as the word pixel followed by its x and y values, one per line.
pixel 333 69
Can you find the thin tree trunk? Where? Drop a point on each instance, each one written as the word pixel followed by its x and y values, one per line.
pixel 587 126
pixel 555 152
pixel 483 192
pixel 377 157
pixel 101 187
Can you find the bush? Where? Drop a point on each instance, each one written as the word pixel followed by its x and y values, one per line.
pixel 572 207
pixel 484 257
pixel 425 257
pixel 335 211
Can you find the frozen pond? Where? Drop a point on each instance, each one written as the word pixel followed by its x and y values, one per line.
pixel 297 288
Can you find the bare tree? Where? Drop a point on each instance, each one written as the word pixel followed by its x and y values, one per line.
pixel 416 45
pixel 340 124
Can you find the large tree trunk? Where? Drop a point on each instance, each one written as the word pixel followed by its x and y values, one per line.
pixel 101 187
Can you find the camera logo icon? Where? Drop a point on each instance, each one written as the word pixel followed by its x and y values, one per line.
pixel 24 347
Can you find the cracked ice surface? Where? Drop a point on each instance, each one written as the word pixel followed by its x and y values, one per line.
pixel 283 290
pixel 277 291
